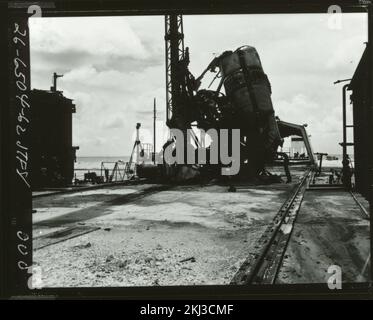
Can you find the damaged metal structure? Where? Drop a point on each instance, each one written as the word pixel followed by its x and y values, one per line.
pixel 246 105
pixel 311 222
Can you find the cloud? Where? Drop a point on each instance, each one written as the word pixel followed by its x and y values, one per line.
pixel 103 36
pixel 109 44
pixel 345 53
pixel 324 122
pixel 112 122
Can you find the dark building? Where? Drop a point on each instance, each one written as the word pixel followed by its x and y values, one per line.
pixel 53 155
pixel 362 114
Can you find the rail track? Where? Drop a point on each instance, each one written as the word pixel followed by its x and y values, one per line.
pixel 262 266
pixel 363 210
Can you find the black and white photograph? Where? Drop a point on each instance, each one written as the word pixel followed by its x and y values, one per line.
pixel 191 149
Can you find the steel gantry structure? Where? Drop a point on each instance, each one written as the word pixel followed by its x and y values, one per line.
pixel 174 38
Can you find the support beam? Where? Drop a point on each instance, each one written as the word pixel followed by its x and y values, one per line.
pixel 174 45
pixel 154 131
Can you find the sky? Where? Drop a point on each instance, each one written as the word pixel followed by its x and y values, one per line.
pixel 114 67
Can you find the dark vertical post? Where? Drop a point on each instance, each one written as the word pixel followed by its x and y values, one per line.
pixel 174 45
pixel 154 129
pixel 344 145
pixel 138 126
pixel 320 166
pixel 174 63
pixel 174 74
pixel 16 155
pixel 54 88
pixel 55 77
pixel 370 79
pixel 345 161
pixel 167 64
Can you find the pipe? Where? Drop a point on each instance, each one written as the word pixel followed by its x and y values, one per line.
pixel 154 128
pixel 320 163
pixel 55 76
pixel 344 145
pixel 345 162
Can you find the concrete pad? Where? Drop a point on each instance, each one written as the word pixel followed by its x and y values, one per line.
pixel 146 239
pixel 330 230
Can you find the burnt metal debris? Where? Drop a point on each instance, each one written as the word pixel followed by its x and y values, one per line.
pixel 246 105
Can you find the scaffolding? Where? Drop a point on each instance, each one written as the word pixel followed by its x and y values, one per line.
pixel 174 37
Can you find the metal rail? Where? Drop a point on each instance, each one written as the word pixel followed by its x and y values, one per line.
pixel 263 264
pixel 363 210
